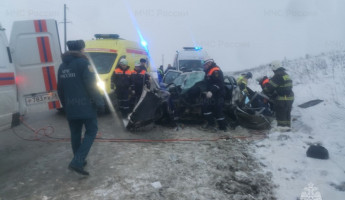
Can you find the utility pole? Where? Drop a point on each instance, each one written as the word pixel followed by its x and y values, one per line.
pixel 163 59
pixel 65 26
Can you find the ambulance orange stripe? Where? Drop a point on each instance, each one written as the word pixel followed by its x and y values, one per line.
pixel 100 50
pixel 135 51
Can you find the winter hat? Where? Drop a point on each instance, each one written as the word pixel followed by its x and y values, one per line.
pixel 143 60
pixel 76 45
pixel 317 151
pixel 123 61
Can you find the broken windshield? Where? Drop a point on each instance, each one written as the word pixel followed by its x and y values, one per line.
pixel 188 80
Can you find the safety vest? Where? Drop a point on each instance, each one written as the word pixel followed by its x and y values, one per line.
pixel 121 71
pixel 243 80
pixel 209 73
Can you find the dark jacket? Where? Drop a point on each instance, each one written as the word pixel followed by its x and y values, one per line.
pixel 279 86
pixel 77 88
pixel 215 81
pixel 139 78
pixel 122 78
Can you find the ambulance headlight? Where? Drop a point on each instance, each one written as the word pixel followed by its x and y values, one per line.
pixel 101 85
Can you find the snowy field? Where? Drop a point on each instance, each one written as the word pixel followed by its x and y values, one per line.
pixel 284 154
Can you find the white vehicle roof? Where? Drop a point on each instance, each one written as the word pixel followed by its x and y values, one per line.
pixel 192 54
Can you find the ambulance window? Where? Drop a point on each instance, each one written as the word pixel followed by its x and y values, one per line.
pixel 103 61
pixel 190 65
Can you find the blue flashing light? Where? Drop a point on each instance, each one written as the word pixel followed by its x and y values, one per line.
pixel 144 43
pixel 192 48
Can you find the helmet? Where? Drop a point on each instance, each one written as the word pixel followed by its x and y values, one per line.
pixel 275 65
pixel 123 61
pixel 249 75
pixel 207 60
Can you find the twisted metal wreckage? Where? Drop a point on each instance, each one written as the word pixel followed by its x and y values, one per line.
pixel 181 94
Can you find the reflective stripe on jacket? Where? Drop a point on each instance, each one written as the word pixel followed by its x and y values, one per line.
pixel 280 87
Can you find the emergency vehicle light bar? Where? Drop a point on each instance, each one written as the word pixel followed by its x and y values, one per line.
pixel 107 36
pixel 192 48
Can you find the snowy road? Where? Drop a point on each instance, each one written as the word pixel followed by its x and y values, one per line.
pixel 220 169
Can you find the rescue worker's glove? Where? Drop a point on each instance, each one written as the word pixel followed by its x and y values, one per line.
pixel 208 94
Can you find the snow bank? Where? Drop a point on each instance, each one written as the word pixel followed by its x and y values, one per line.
pixel 284 154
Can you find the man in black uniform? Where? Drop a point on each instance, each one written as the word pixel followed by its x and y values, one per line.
pixel 80 99
pixel 122 80
pixel 139 79
pixel 214 102
pixel 279 89
pixel 143 64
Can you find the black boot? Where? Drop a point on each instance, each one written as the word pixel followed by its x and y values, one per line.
pixel 79 170
pixel 210 125
pixel 222 125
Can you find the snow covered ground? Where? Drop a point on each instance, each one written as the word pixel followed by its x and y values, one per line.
pixel 219 169
pixel 284 154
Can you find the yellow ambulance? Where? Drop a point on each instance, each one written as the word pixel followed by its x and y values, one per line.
pixel 106 50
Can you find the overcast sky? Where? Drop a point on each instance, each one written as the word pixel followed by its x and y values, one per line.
pixel 238 34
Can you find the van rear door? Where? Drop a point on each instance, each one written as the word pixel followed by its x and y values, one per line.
pixel 8 92
pixel 36 52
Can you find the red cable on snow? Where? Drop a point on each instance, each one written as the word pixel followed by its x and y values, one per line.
pixel 47 131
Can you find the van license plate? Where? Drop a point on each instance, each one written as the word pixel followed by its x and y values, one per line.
pixel 41 98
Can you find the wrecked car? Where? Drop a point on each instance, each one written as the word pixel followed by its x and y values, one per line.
pixel 180 97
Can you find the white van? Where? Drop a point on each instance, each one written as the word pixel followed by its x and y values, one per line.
pixel 28 69
pixel 189 59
